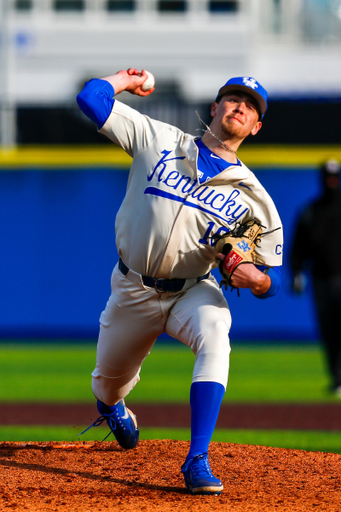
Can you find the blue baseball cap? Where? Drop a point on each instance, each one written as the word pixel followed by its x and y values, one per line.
pixel 248 85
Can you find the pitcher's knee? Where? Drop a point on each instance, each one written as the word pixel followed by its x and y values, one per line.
pixel 213 338
pixel 212 356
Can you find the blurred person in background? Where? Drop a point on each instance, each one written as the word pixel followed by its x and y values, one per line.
pixel 316 250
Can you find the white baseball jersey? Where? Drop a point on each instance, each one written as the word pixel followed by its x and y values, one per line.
pixel 165 224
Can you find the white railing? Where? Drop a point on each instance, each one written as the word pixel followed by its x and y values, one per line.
pixel 46 52
pixel 304 20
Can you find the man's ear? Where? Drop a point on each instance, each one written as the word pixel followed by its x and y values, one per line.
pixel 256 128
pixel 214 108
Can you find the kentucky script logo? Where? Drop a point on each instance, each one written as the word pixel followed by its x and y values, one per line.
pixel 166 181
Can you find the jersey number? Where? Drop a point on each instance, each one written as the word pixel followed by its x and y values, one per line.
pixel 207 239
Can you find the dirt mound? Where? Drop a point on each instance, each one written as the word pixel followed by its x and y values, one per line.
pixel 93 476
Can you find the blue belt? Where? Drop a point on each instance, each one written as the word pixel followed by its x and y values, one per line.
pixel 160 285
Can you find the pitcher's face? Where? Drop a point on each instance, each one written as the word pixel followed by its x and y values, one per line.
pixel 235 116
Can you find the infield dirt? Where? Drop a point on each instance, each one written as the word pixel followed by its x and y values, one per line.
pixel 253 416
pixel 94 476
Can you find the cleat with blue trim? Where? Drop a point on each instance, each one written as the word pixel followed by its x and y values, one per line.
pixel 198 476
pixel 121 421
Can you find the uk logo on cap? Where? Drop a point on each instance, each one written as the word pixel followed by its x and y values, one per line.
pixel 250 82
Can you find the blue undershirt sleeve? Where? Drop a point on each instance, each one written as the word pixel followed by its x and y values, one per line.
pixel 275 275
pixel 96 100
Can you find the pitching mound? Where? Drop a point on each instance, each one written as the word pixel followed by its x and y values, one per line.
pixel 93 476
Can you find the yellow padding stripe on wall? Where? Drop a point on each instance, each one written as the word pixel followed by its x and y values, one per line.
pixel 288 156
pixel 63 157
pixel 49 157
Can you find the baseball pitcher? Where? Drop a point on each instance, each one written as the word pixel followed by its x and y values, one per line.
pixel 191 205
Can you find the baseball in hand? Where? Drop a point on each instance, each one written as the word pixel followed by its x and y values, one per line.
pixel 149 83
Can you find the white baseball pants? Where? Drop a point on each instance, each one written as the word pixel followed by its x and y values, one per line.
pixel 136 315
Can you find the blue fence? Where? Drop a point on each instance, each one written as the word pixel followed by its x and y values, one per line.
pixel 58 250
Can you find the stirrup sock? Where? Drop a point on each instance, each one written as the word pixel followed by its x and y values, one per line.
pixel 205 400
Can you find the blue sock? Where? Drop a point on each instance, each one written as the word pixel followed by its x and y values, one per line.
pixel 205 400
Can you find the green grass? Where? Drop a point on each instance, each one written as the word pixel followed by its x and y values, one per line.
pixel 62 373
pixel 278 374
pixel 46 372
pixel 299 440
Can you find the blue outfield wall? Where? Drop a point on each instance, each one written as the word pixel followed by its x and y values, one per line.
pixel 58 251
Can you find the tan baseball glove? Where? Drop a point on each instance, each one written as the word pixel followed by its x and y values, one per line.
pixel 238 245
